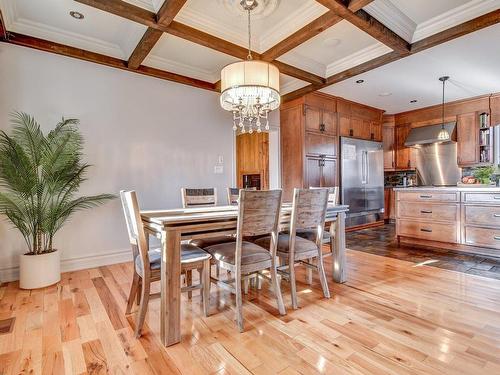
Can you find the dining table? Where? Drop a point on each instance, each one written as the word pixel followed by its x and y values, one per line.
pixel 175 225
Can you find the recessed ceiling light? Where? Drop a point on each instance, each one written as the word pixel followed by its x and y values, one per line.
pixel 385 94
pixel 76 15
pixel 413 101
pixel 360 81
pixel 332 42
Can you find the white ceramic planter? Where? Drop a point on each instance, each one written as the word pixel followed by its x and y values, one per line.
pixel 38 271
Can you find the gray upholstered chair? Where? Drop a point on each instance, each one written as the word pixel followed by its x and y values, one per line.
pixel 308 213
pixel 258 214
pixel 147 263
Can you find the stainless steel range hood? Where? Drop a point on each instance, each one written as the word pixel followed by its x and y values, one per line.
pixel 428 134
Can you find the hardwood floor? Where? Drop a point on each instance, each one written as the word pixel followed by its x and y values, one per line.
pixel 381 241
pixel 391 317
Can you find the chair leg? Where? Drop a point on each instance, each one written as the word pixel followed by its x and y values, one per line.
pixel 134 288
pixel 322 275
pixel 246 284
pixel 205 280
pixel 293 285
pixel 138 295
pixel 239 302
pixel 143 308
pixel 277 288
pixel 189 281
pixel 258 281
pixel 309 273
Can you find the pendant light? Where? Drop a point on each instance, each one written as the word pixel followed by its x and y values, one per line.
pixel 443 135
pixel 250 89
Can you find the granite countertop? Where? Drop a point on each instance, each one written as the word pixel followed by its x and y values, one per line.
pixel 491 189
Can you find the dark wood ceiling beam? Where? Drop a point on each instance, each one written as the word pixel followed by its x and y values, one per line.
pixel 126 10
pixel 465 28
pixel 165 16
pixel 368 24
pixel 64 50
pixel 309 31
pixel 355 5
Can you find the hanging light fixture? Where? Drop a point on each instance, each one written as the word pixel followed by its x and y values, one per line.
pixel 443 134
pixel 250 89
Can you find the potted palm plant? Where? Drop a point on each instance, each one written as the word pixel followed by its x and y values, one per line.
pixel 40 175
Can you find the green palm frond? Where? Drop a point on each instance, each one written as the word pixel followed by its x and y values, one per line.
pixel 41 176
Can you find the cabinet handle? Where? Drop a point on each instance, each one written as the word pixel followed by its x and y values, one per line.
pixel 351 132
pixel 430 231
pixel 372 136
pixel 426 211
pixel 496 215
pixel 496 197
pixel 497 238
pixel 321 127
pixel 426 196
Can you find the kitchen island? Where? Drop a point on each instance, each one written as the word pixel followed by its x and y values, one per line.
pixel 459 218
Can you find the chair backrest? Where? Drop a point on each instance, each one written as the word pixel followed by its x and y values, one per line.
pixel 135 229
pixel 233 195
pixel 309 210
pixel 258 212
pixel 199 197
pixel 333 193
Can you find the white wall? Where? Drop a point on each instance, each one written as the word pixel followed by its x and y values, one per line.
pixel 141 133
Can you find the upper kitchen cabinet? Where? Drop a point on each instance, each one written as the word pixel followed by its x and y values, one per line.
pixel 403 153
pixel 388 142
pixel 359 121
pixel 467 139
pixel 495 109
pixel 309 142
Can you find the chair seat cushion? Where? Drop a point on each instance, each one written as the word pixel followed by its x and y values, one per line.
pixel 301 245
pixel 310 234
pixel 205 242
pixel 250 253
pixel 189 254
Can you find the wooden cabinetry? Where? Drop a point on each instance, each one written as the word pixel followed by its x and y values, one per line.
pixel 309 143
pixel 388 143
pixel 252 158
pixel 495 109
pixel 359 121
pixel 467 139
pixel 403 153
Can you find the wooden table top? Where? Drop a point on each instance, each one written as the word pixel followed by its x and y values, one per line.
pixel 200 214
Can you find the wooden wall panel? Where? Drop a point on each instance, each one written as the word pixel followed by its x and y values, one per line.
pixel 252 157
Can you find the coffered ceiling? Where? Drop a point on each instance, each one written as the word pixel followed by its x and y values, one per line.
pixel 316 43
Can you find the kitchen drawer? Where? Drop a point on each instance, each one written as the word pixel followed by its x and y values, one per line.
pixel 482 237
pixel 428 196
pixel 428 211
pixel 491 198
pixel 427 231
pixel 318 144
pixel 481 215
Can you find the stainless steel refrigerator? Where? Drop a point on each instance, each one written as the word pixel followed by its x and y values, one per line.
pixel 362 180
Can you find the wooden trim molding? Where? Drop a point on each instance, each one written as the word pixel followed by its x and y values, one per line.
pixel 355 5
pixel 64 50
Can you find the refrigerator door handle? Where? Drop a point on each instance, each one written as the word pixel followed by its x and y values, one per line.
pixel 367 168
pixel 363 167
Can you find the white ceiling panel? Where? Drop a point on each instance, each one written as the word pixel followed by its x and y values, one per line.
pixel 470 62
pixel 289 84
pixel 49 19
pixel 272 20
pixel 340 47
pixel 180 56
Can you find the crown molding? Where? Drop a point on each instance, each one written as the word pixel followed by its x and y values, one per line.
pixel 158 62
pixel 357 58
pixel 453 17
pixel 299 18
pixel 303 62
pixel 293 85
pixel 146 4
pixel 392 17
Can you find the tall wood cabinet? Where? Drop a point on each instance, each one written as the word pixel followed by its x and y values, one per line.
pixel 309 143
pixel 388 143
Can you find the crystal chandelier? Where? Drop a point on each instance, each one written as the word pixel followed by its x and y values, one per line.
pixel 250 89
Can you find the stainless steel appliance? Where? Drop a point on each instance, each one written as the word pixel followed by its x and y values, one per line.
pixel 362 180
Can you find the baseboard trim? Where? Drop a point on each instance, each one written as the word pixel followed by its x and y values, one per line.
pixel 75 264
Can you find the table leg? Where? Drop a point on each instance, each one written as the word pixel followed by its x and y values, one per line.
pixel 170 310
pixel 339 258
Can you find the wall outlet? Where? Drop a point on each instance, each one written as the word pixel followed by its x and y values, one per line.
pixel 220 159
pixel 219 169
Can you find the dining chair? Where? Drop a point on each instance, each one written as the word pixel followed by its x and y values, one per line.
pixel 258 214
pixel 147 263
pixel 233 195
pixel 205 197
pixel 308 212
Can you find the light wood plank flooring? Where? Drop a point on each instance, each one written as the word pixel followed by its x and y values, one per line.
pixel 391 317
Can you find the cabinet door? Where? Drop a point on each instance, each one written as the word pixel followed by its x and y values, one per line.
pixel 328 173
pixel 312 118
pixel 345 125
pixel 365 130
pixel 329 123
pixel 376 131
pixel 402 152
pixel 467 139
pixel 387 203
pixel 313 172
pixel 357 127
pixel 388 142
pixel 319 144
